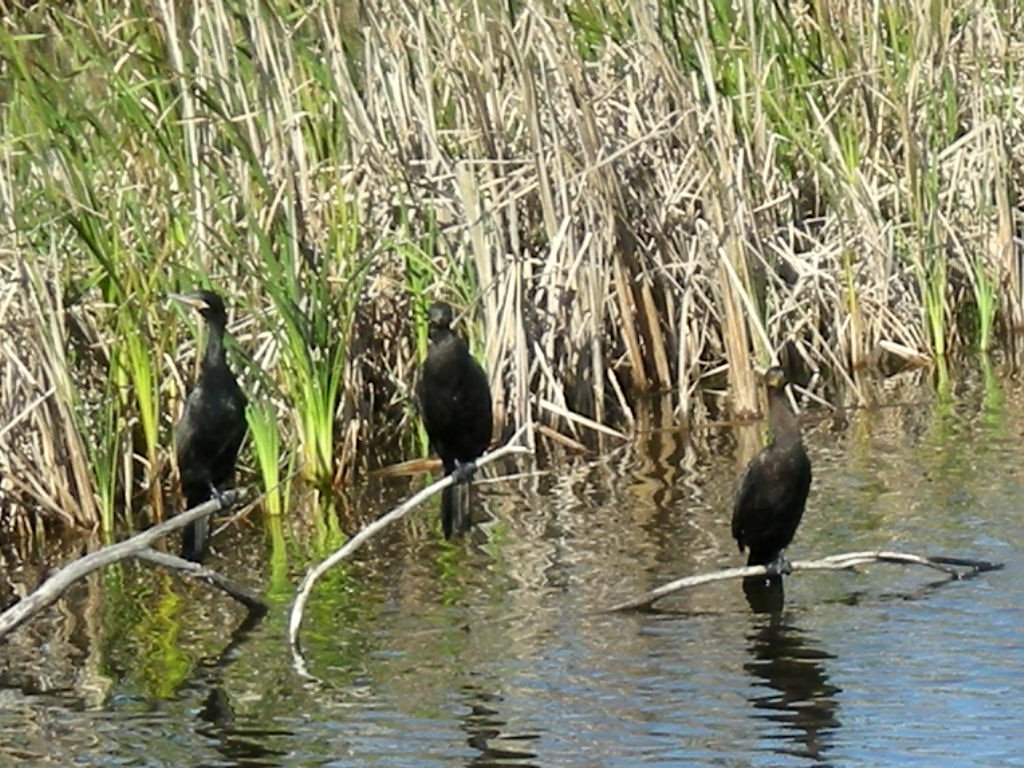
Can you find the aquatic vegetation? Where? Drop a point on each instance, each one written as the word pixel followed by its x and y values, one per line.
pixel 618 197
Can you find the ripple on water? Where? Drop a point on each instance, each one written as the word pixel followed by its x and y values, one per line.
pixel 491 652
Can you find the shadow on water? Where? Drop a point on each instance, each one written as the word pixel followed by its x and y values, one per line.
pixel 785 658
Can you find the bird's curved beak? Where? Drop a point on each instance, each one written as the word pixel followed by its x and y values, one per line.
pixel 189 299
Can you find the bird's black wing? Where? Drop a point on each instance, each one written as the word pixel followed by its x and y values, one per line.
pixel 772 495
pixel 209 435
pixel 476 409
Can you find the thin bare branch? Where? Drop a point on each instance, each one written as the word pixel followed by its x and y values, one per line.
pixel 948 565
pixel 309 581
pixel 202 573
pixel 55 586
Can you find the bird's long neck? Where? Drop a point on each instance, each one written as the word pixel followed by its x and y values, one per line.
pixel 785 428
pixel 439 333
pixel 214 357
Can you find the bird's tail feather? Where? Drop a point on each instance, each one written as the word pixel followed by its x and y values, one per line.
pixel 194 539
pixel 456 509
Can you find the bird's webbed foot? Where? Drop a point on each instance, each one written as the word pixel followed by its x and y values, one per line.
pixel 218 494
pixel 780 566
pixel 464 471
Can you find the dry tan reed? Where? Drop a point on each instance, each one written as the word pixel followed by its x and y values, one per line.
pixel 657 200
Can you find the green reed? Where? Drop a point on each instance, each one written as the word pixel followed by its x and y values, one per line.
pixel 987 302
pixel 264 429
pixel 549 179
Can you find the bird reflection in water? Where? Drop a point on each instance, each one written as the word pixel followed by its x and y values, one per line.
pixel 488 733
pixel 238 744
pixel 241 741
pixel 802 701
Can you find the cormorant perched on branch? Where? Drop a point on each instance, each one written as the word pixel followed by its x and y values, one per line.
pixel 455 404
pixel 212 425
pixel 773 492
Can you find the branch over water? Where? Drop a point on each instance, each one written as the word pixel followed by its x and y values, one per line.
pixel 954 567
pixel 306 587
pixel 139 546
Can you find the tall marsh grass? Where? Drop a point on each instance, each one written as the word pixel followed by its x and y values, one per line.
pixel 619 197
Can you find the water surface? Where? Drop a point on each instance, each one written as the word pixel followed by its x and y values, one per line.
pixel 493 651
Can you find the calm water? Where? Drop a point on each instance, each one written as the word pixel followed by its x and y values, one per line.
pixel 491 652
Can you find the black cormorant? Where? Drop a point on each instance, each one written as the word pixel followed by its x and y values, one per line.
pixel 212 425
pixel 773 492
pixel 455 404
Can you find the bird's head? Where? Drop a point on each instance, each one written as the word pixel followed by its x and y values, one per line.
pixel 439 316
pixel 206 303
pixel 775 378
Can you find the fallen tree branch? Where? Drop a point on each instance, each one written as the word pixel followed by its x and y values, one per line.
pixel 50 590
pixel 202 573
pixel 311 577
pixel 949 565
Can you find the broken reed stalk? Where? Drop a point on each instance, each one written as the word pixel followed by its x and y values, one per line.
pixel 137 546
pixel 841 562
pixel 364 535
pixel 580 419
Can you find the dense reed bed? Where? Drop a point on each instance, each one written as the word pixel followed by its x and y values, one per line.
pixel 619 197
